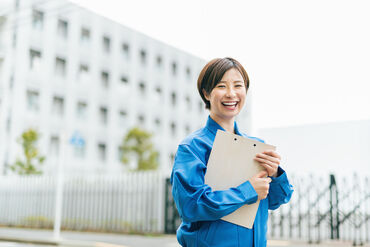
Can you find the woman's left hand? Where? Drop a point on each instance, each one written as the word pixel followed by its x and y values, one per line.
pixel 270 160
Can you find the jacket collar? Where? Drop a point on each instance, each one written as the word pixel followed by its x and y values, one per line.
pixel 213 126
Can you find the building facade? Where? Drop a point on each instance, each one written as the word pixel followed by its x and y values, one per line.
pixel 340 148
pixel 64 69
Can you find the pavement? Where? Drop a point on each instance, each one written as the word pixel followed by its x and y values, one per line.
pixel 25 237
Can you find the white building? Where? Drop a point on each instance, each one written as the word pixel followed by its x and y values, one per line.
pixel 340 148
pixel 64 69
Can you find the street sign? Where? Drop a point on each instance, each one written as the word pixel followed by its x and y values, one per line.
pixel 77 140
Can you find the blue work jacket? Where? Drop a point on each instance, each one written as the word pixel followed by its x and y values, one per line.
pixel 201 208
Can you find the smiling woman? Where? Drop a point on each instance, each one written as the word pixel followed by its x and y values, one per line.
pixel 227 98
pixel 223 84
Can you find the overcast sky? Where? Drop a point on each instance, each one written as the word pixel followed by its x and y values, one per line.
pixel 309 61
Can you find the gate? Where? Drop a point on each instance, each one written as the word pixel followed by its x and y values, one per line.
pixel 171 217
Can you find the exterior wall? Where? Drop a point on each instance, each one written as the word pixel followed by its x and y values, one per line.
pixel 341 148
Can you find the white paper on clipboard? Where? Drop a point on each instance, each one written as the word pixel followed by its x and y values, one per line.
pixel 230 164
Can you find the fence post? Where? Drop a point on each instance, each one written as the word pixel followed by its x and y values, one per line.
pixel 334 211
pixel 281 223
pixel 290 220
pixel 309 214
pixel 272 220
pixel 299 213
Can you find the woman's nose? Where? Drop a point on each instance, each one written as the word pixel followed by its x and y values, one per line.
pixel 230 92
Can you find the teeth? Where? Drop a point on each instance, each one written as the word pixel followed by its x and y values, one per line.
pixel 229 104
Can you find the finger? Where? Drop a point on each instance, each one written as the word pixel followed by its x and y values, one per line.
pixel 269 169
pixel 268 162
pixel 261 174
pixel 268 157
pixel 272 153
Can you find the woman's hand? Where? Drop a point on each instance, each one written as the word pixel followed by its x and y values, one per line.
pixel 270 160
pixel 261 184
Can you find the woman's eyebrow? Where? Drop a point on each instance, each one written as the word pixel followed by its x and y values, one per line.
pixel 233 81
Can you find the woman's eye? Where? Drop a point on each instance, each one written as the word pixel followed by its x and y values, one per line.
pixel 221 86
pixel 239 85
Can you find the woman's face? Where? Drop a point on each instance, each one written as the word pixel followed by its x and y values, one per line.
pixel 228 97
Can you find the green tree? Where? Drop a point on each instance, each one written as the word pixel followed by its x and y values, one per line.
pixel 33 160
pixel 138 143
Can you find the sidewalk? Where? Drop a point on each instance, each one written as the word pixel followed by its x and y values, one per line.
pixel 90 239
pixel 84 239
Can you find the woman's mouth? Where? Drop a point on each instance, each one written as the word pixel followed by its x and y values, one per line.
pixel 231 105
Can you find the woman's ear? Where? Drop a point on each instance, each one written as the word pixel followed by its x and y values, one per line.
pixel 205 94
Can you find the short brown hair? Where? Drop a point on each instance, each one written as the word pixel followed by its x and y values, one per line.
pixel 213 72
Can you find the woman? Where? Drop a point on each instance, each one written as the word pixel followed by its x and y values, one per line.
pixel 223 85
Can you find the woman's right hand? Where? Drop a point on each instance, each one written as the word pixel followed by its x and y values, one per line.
pixel 261 184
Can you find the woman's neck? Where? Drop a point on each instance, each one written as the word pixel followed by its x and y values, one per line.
pixel 227 124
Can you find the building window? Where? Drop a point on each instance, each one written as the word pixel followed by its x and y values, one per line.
pixel 2 23
pixel 159 61
pixel 142 88
pixel 62 28
pixel 106 44
pixel 141 119
pixel 37 19
pixel 60 67
pixel 35 60
pixel 173 129
pixel 1 69
pixel 102 150
pixel 8 124
pixel 173 98
pixel 174 68
pixel 143 57
pixel 14 38
pixel 32 101
pixel 11 80
pixel 188 72
pixel 83 73
pixel 124 80
pixel 157 122
pixel 187 129
pixel 105 79
pixel 158 93
pixel 17 5
pixel 126 50
pixel 122 117
pixel 103 112
pixel 58 106
pixel 188 103
pixel 172 158
pixel 85 35
pixel 201 105
pixel 81 110
pixel 120 153
pixel 54 146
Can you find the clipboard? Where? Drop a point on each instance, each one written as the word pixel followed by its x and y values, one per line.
pixel 232 163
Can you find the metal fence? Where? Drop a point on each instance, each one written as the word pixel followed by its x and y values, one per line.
pixel 322 207
pixel 131 202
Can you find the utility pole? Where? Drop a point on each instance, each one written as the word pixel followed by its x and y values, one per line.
pixel 59 187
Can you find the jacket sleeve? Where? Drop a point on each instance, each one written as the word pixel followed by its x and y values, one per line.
pixel 280 190
pixel 195 200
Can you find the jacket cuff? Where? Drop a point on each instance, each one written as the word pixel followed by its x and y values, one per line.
pixel 248 192
pixel 282 181
pixel 280 175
